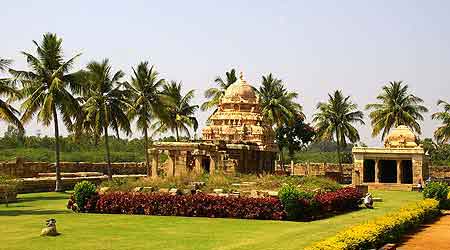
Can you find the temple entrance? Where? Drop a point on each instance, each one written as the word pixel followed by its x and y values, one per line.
pixel 206 162
pixel 369 171
pixel 407 173
pixel 388 171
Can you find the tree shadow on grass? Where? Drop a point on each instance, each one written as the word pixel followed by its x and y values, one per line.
pixel 31 212
pixel 41 198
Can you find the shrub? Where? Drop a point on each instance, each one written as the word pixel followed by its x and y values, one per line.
pixel 198 205
pixel 83 191
pixel 295 202
pixel 341 200
pixel 382 230
pixel 436 190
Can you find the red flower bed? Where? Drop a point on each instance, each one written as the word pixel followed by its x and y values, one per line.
pixel 339 200
pixel 198 205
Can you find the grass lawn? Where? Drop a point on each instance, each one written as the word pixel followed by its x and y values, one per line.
pixel 22 222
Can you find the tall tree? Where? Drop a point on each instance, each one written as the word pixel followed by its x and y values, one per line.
pixel 294 136
pixel 277 103
pixel 146 100
pixel 215 94
pixel 178 115
pixel 46 89
pixel 442 133
pixel 106 102
pixel 396 107
pixel 8 89
pixel 335 118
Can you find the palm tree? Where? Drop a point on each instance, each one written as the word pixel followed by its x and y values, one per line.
pixel 442 133
pixel 8 89
pixel 146 101
pixel 277 103
pixel 106 102
pixel 335 118
pixel 46 89
pixel 215 94
pixel 397 107
pixel 178 115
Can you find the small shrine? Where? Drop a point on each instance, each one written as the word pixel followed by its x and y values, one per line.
pixel 400 161
pixel 235 139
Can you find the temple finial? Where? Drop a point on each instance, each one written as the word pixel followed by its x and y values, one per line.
pixel 241 76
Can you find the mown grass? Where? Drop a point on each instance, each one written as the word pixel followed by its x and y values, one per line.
pixel 22 221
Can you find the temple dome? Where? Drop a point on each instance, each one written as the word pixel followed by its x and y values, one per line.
pixel 401 137
pixel 240 88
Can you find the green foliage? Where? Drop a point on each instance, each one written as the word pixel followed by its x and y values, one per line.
pixel 336 118
pixel 215 94
pixel 442 133
pixel 293 200
pixel 82 192
pixel 294 136
pixel 436 190
pixel 397 106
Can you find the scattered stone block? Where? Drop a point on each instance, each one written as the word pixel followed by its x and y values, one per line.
pixel 223 195
pixel 148 189
pixel 103 190
pixel 249 183
pixel 173 191
pixel 273 193
pixel 218 190
pixel 137 189
pixel 163 190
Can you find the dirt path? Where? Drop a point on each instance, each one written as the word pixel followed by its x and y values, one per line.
pixel 434 236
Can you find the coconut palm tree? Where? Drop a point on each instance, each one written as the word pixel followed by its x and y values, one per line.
pixel 335 119
pixel 215 94
pixel 146 100
pixel 46 89
pixel 106 102
pixel 178 115
pixel 277 103
pixel 442 133
pixel 396 107
pixel 8 89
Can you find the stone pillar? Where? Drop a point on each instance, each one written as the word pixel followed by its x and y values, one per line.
pixel 399 171
pixel 377 171
pixel 172 160
pixel 212 163
pixel 155 162
pixel 198 164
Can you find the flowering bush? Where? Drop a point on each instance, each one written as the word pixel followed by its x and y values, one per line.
pixel 296 203
pixel 436 190
pixel 382 230
pixel 84 197
pixel 198 205
pixel 340 200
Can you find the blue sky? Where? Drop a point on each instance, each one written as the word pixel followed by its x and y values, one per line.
pixel 314 46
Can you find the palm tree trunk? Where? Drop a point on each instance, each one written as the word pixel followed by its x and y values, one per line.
pixel 338 142
pixel 108 156
pixel 147 161
pixel 58 186
pixel 176 133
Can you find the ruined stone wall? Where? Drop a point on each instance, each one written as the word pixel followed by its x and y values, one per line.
pixel 440 173
pixel 20 169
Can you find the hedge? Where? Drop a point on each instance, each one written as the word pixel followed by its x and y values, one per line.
pixel 204 205
pixel 382 230
pixel 198 205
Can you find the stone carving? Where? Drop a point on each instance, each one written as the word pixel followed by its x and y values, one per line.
pixel 239 118
pixel 50 230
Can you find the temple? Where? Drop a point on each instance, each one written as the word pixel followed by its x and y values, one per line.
pixel 402 161
pixel 235 139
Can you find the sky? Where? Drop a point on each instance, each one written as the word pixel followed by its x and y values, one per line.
pixel 315 47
